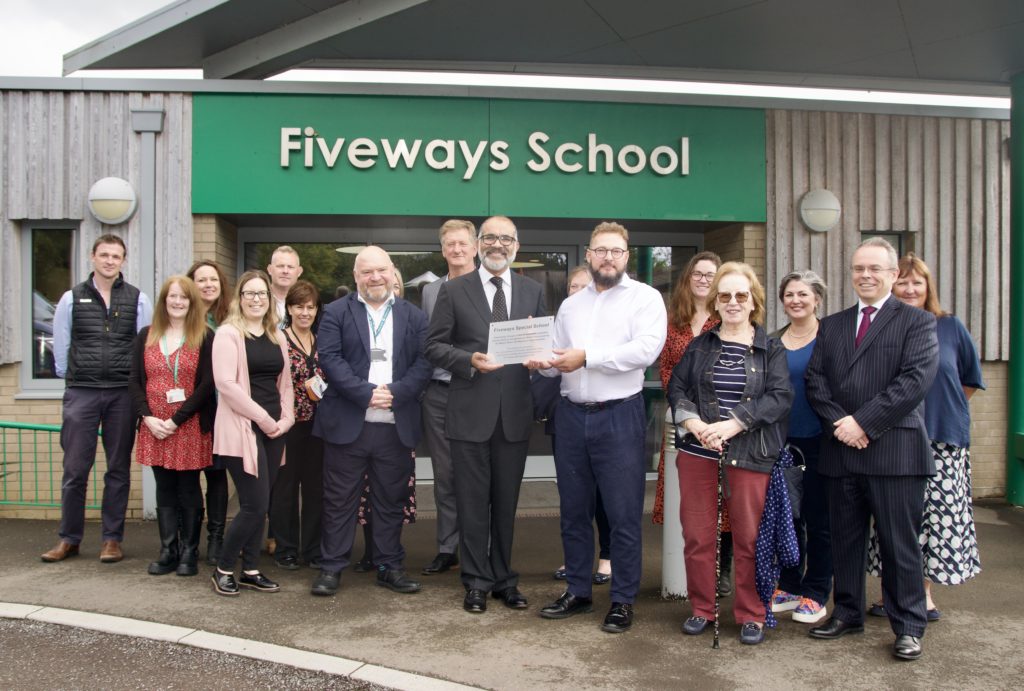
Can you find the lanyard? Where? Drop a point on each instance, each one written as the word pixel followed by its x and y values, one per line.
pixel 375 330
pixel 177 354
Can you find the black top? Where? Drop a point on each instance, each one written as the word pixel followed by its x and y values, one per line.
pixel 265 365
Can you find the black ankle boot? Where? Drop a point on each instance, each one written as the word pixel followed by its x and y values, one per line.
pixel 216 517
pixel 192 527
pixel 167 523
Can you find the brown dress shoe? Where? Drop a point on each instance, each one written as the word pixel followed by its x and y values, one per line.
pixel 62 551
pixel 111 552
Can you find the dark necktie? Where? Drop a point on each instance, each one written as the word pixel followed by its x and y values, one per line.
pixel 865 322
pixel 499 310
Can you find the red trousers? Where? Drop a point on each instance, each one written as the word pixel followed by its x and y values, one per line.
pixel 745 491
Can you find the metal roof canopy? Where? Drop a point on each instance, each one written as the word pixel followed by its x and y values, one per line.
pixel 968 47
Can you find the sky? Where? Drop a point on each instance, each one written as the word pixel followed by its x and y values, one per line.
pixel 37 34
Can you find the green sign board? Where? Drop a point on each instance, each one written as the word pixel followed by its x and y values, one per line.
pixel 285 154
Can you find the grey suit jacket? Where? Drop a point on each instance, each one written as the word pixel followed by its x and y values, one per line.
pixel 460 326
pixel 882 384
pixel 429 296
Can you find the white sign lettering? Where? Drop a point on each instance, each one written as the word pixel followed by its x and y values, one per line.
pixel 459 154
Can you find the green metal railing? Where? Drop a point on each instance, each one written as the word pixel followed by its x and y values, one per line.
pixel 31 466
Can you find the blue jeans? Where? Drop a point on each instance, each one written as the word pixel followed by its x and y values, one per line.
pixel 601 449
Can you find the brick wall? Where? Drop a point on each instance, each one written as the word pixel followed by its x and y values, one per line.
pixel 215 239
pixel 988 432
pixel 741 242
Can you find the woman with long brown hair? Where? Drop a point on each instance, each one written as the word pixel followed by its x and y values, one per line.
pixel 172 383
pixel 212 284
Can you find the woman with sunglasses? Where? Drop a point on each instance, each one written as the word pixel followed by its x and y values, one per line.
pixel 256 410
pixel 730 398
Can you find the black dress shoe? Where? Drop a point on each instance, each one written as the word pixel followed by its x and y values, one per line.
pixel 567 605
pixel 512 598
pixel 314 563
pixel 475 602
pixel 224 583
pixel 326 583
pixel 289 562
pixel 619 618
pixel 396 580
pixel 907 647
pixel 601 578
pixel 364 566
pixel 834 628
pixel 441 563
pixel 257 581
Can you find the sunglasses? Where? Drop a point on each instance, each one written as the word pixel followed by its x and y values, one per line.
pixel 726 298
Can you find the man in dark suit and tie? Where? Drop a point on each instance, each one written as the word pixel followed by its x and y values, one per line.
pixel 458 246
pixel 370 345
pixel 490 411
pixel 870 370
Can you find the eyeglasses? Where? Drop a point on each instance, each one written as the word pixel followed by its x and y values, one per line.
pixel 698 276
pixel 871 270
pixel 602 252
pixel 490 239
pixel 255 294
pixel 741 297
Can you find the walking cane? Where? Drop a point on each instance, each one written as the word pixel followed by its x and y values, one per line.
pixel 718 546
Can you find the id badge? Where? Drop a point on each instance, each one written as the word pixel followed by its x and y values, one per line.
pixel 176 395
pixel 315 387
pixel 378 355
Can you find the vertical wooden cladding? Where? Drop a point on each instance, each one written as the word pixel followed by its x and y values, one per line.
pixel 57 144
pixel 943 181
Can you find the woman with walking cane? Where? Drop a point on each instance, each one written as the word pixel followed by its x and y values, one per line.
pixel 730 397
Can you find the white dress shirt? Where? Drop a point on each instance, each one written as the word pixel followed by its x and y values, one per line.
pixel 490 289
pixel 622 329
pixel 381 372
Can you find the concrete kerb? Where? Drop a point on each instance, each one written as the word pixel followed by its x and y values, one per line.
pixel 267 652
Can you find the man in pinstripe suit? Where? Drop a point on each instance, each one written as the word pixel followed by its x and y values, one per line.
pixel 871 367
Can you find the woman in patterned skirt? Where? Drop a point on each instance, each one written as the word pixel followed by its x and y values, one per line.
pixel 172 382
pixel 948 539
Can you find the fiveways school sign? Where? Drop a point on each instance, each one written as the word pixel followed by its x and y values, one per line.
pixel 285 154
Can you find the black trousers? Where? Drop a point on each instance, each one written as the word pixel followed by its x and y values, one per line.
pixel 378 453
pixel 488 476
pixel 246 530
pixel 294 523
pixel 897 504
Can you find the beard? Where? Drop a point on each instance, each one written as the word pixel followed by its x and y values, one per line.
pixel 497 259
pixel 375 295
pixel 608 280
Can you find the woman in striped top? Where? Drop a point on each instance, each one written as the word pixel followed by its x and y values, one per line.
pixel 730 397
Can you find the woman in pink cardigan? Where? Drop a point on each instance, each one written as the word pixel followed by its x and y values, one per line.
pixel 256 409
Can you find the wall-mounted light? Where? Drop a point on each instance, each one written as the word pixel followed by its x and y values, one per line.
pixel 819 210
pixel 112 201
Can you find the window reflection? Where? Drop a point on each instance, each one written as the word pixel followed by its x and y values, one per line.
pixel 51 276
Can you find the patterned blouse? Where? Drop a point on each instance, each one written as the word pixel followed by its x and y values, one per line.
pixel 303 367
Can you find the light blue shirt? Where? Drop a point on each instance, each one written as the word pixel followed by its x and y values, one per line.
pixel 62 326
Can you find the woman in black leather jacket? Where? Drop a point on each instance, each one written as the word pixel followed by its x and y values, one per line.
pixel 730 397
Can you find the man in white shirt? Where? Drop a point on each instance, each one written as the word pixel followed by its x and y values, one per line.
pixel 605 336
pixel 284 269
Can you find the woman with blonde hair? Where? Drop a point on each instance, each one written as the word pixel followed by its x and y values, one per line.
pixel 255 411
pixel 172 384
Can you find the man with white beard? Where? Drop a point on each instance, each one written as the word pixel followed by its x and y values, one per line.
pixel 489 412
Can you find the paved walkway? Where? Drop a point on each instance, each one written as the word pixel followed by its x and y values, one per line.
pixel 975 645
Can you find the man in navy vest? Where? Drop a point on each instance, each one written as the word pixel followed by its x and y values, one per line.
pixel 94 326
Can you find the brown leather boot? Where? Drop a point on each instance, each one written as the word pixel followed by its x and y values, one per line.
pixel 62 551
pixel 111 552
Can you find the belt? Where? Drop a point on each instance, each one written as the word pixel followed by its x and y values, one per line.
pixel 601 405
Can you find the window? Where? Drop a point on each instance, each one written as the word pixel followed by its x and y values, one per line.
pixel 895 238
pixel 47 252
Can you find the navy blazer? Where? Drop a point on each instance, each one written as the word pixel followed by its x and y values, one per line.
pixel 460 326
pixel 343 345
pixel 882 384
